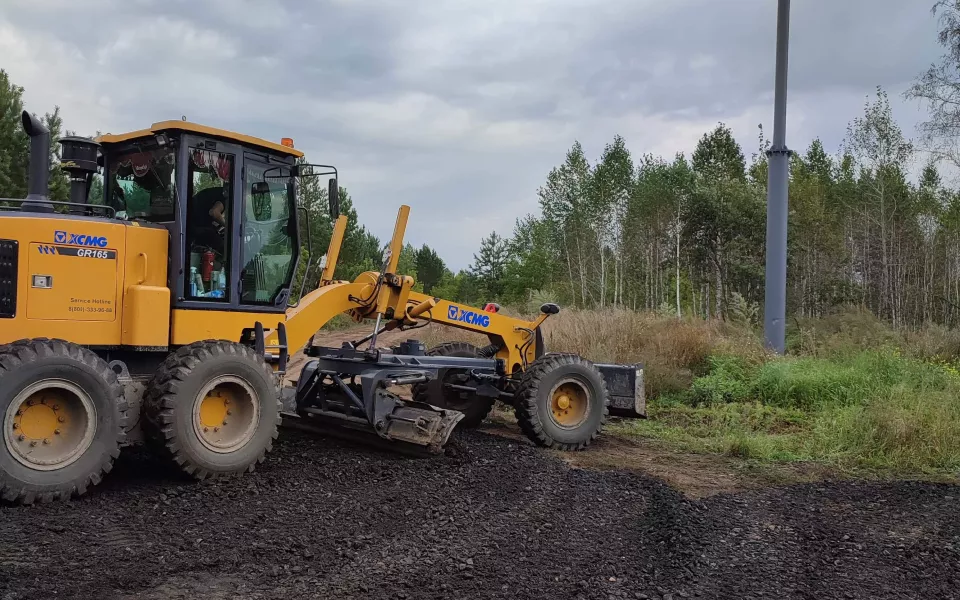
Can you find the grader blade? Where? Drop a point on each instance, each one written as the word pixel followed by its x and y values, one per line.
pixel 413 422
pixel 356 390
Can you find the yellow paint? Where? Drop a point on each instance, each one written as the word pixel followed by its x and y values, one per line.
pixel 38 420
pixel 146 316
pixel 78 282
pixel 396 242
pixel 512 331
pixel 398 299
pixel 569 404
pixel 316 309
pixel 146 300
pixel 213 408
pixel 196 128
pixel 84 289
pixel 188 326
pixel 333 249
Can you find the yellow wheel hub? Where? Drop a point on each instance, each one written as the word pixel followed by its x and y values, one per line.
pixel 213 408
pixel 570 403
pixel 49 424
pixel 226 414
pixel 37 420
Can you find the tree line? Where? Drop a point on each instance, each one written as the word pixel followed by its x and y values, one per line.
pixel 686 234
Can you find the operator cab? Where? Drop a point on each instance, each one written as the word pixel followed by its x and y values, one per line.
pixel 228 201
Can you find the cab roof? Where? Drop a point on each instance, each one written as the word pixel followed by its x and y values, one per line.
pixel 187 126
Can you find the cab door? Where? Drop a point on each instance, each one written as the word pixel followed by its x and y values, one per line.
pixel 206 268
pixel 268 246
pixel 232 272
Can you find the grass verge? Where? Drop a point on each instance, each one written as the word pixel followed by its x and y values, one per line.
pixel 870 411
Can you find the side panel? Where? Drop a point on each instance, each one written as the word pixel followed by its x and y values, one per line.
pixel 80 283
pixel 79 267
pixel 188 326
pixel 146 300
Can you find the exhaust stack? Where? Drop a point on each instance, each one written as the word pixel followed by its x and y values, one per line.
pixel 37 198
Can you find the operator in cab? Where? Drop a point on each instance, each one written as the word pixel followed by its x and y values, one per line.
pixel 208 219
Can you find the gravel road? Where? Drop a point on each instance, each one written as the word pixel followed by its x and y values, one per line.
pixel 494 519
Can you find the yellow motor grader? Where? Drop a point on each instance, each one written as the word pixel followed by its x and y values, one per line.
pixel 164 311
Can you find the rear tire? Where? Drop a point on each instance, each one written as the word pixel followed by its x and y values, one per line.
pixel 63 416
pixel 561 402
pixel 213 408
pixel 474 408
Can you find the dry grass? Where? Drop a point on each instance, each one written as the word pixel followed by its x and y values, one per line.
pixel 672 351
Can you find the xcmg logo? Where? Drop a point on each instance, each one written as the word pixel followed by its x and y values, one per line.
pixel 79 239
pixel 455 313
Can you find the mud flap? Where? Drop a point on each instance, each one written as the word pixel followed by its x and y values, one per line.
pixel 413 422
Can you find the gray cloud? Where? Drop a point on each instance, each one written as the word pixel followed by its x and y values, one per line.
pixel 460 108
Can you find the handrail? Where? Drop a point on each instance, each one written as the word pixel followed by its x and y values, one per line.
pixel 108 211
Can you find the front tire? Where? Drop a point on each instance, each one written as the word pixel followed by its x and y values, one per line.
pixel 213 408
pixel 63 416
pixel 561 402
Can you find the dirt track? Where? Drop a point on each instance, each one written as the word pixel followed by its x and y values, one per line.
pixel 323 518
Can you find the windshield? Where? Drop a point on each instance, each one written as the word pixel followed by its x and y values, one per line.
pixel 141 184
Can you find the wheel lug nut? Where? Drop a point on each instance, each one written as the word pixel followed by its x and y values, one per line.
pixel 56 432
pixel 33 443
pixel 229 412
pixel 216 429
pixel 56 407
pixel 226 401
pixel 224 421
pixel 19 413
pixel 46 440
pixel 20 438
pixel 61 420
pixel 205 429
pixel 16 426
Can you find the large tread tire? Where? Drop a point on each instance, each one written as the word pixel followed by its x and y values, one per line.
pixel 533 404
pixel 475 408
pixel 25 362
pixel 169 400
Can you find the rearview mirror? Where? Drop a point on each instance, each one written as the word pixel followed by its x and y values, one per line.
pixel 261 187
pixel 333 198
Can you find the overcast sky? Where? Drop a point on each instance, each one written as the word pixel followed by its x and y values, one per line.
pixel 460 108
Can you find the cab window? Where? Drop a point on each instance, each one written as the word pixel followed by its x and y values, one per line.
pixel 267 242
pixel 141 184
pixel 209 182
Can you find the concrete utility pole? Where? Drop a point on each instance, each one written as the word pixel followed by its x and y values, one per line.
pixel 775 301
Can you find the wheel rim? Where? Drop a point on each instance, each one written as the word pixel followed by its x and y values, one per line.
pixel 226 414
pixel 50 424
pixel 569 403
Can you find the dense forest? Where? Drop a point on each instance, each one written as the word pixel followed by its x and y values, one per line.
pixel 874 223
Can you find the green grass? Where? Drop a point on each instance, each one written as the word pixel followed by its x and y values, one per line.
pixel 874 410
